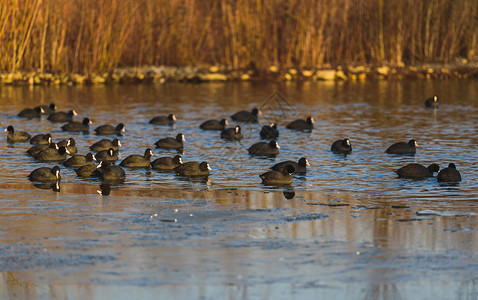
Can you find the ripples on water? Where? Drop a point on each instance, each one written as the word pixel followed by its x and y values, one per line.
pixel 372 115
pixel 129 239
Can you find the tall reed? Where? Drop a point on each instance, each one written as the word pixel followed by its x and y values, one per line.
pixel 87 36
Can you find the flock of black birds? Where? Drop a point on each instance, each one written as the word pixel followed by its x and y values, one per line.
pixel 46 150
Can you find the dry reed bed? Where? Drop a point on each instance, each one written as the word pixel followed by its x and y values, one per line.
pixel 95 36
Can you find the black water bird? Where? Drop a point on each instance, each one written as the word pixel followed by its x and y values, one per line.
pixel 247 116
pixel 171 143
pixel 342 146
pixel 89 170
pixel 299 167
pixel 303 125
pixel 47 109
pixel 69 144
pixel 52 154
pixel 417 171
pixel 41 139
pixel 403 148
pixel 166 163
pixel 283 177
pixel 106 144
pixel 432 102
pixel 78 160
pixel 16 136
pixel 269 132
pixel 110 129
pixel 163 120
pixel 33 151
pixel 111 172
pixel 450 174
pixel 31 113
pixel 263 148
pixel 107 155
pixel 232 133
pixel 193 168
pixel 62 116
pixel 75 126
pixel 138 161
pixel 214 124
pixel 45 174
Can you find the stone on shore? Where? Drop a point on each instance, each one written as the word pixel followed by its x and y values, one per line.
pixel 325 75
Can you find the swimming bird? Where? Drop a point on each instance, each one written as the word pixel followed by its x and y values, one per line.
pixel 47 109
pixel 52 154
pixel 247 116
pixel 403 148
pixel 62 116
pixel 111 172
pixel 263 148
pixel 299 167
pixel 16 136
pixel 342 146
pixel 33 151
pixel 78 160
pixel 432 102
pixel 232 133
pixel 193 168
pixel 417 171
pixel 166 163
pixel 214 124
pixel 45 174
pixel 171 143
pixel 450 174
pixel 31 113
pixel 300 124
pixel 109 129
pixel 138 161
pixel 89 170
pixel 269 132
pixel 41 139
pixel 278 177
pixel 163 120
pixel 69 144
pixel 77 126
pixel 107 155
pixel 106 144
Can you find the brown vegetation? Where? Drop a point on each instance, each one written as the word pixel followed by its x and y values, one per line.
pixel 86 36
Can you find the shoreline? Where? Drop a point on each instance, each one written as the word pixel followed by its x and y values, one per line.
pixel 197 74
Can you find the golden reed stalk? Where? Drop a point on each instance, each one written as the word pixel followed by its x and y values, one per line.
pixel 87 36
